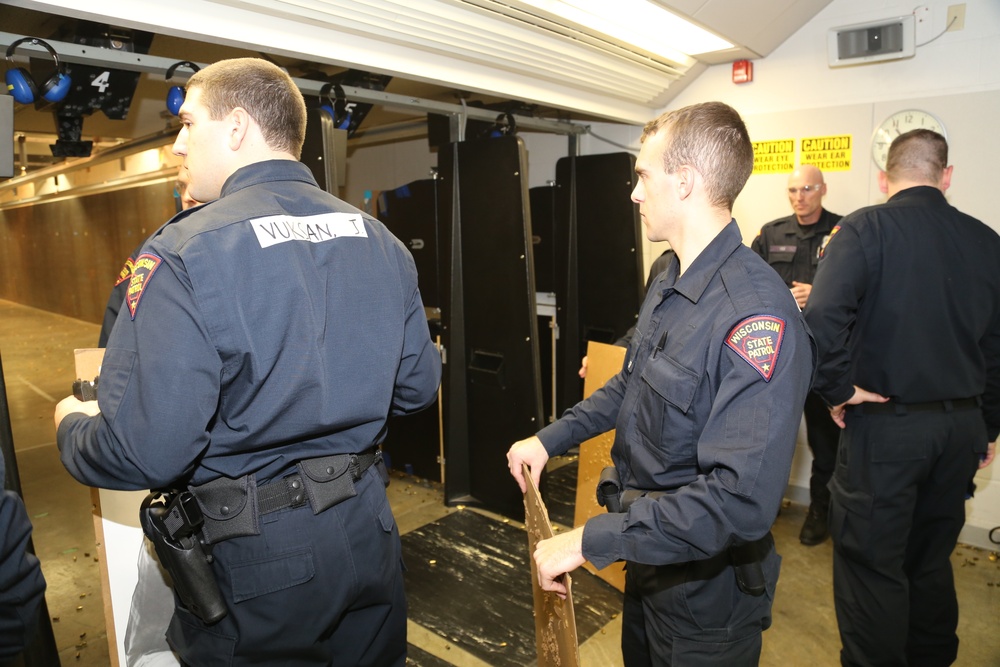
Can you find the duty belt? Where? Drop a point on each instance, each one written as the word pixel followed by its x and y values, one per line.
pixel 232 507
pixel 897 408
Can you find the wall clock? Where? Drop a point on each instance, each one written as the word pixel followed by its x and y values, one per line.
pixel 895 125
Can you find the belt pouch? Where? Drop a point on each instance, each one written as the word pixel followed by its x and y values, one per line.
pixel 327 480
pixel 229 506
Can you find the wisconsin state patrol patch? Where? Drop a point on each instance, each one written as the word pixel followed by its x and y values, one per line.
pixel 126 272
pixel 757 340
pixel 142 272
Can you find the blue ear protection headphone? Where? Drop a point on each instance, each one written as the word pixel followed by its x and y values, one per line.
pixel 23 87
pixel 175 96
pixel 337 108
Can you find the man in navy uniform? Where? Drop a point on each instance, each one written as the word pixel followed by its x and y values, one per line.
pixel 792 245
pixel 266 338
pixel 706 411
pixel 906 314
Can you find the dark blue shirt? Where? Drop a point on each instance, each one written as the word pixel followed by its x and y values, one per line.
pixel 711 423
pixel 906 303
pixel 793 250
pixel 274 324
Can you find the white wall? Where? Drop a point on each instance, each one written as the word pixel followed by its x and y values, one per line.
pixel 796 94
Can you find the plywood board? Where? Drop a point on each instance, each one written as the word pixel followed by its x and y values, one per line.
pixel 603 362
pixel 119 540
pixel 555 622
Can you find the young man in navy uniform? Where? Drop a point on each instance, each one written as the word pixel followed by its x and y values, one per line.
pixel 706 411
pixel 906 314
pixel 792 245
pixel 266 337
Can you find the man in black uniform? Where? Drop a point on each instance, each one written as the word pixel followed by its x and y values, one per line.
pixel 792 246
pixel 906 314
pixel 266 338
pixel 705 417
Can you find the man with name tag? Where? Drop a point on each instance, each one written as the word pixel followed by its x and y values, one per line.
pixel 792 245
pixel 906 314
pixel 265 339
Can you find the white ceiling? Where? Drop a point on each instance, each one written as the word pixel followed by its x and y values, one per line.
pixel 432 48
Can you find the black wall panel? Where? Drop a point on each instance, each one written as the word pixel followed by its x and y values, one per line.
pixel 599 274
pixel 492 391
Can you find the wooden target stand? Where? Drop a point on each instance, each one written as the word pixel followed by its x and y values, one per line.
pixel 118 536
pixel 603 362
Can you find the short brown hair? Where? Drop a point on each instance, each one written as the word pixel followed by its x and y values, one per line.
pixel 712 138
pixel 918 155
pixel 264 90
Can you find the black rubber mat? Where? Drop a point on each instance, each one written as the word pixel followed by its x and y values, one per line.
pixel 416 657
pixel 468 580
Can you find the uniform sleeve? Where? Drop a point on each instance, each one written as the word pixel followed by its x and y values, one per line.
pixel 594 415
pixel 991 397
pixel 160 386
pixel 419 371
pixel 832 310
pixel 744 456
pixel 757 245
pixel 22 586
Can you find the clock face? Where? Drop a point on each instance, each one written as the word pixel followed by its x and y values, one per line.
pixel 897 124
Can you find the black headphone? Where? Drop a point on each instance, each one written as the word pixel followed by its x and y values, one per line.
pixel 25 89
pixel 175 96
pixel 336 108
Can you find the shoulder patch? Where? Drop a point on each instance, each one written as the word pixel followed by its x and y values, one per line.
pixel 757 340
pixel 126 272
pixel 827 239
pixel 142 272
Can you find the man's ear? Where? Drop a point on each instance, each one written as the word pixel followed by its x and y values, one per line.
pixel 685 180
pixel 239 126
pixel 883 182
pixel 946 178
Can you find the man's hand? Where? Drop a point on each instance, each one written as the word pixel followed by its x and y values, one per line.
pixel 555 557
pixel 529 451
pixel 800 292
pixel 991 453
pixel 71 404
pixel 860 396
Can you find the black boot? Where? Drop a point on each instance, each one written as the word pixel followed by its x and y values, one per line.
pixel 815 530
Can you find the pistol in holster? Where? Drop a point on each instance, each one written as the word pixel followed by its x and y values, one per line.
pixel 745 558
pixel 85 390
pixel 172 521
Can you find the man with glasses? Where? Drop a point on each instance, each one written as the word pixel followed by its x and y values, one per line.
pixel 792 246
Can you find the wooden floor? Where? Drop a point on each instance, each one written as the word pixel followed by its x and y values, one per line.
pixel 36 352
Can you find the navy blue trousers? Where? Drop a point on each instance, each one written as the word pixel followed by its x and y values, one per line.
pixel 694 614
pixel 310 590
pixel 897 507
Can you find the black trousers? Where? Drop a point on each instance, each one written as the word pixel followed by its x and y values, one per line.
pixel 898 505
pixel 694 614
pixel 823 435
pixel 311 589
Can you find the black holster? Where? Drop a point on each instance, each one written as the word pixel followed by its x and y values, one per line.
pixel 745 558
pixel 172 522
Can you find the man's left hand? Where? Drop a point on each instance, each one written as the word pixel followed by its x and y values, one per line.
pixel 991 452
pixel 555 557
pixel 801 292
pixel 860 396
pixel 72 404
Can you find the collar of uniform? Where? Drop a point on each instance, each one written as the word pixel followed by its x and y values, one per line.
pixel 927 193
pixel 695 280
pixel 266 172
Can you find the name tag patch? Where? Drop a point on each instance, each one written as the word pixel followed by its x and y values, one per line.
pixel 275 229
pixel 757 340
pixel 783 248
pixel 142 272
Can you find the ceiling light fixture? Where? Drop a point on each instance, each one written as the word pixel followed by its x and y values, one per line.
pixel 640 23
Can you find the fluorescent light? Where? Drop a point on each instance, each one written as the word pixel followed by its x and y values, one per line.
pixel 636 22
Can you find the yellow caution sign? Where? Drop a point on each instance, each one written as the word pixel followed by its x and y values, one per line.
pixel 827 153
pixel 774 157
